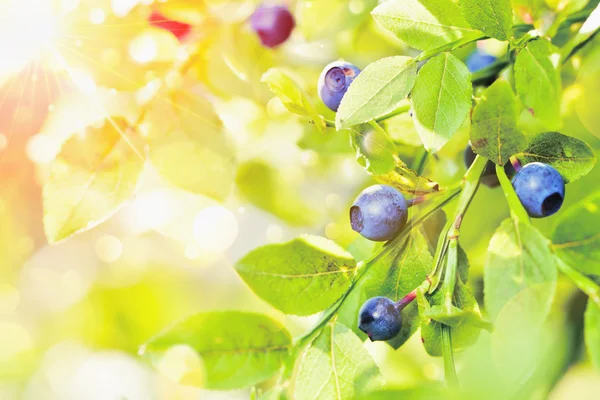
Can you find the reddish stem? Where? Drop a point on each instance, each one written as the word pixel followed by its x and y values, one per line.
pixel 515 163
pixel 406 300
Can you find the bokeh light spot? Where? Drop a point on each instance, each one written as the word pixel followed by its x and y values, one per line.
pixel 215 228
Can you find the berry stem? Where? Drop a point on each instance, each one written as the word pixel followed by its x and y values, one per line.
pixel 517 211
pixel 585 284
pixel 406 300
pixel 448 47
pixel 449 368
pixel 514 161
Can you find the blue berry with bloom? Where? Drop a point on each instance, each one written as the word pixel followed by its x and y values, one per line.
pixel 540 188
pixel 380 319
pixel 334 82
pixel 479 60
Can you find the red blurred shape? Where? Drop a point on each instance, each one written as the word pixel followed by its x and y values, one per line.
pixel 179 29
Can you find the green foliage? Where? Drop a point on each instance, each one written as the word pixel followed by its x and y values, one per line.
pixel 337 365
pixel 538 83
pixel 394 277
pixel 519 258
pixel 592 332
pixel 377 91
pixel 494 132
pixel 441 99
pixel 188 144
pixel 424 24
pixel 572 157
pixel 237 349
pixel 322 19
pixel 91 178
pixel 300 277
pixel 493 17
pixel 374 148
pixel 576 237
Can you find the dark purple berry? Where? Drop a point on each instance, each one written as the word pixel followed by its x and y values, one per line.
pixel 273 24
pixel 379 213
pixel 334 82
pixel 541 189
pixel 380 319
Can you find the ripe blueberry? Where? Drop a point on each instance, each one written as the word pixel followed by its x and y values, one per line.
pixel 273 24
pixel 540 188
pixel 179 29
pixel 334 82
pixel 379 213
pixel 489 177
pixel 379 318
pixel 479 60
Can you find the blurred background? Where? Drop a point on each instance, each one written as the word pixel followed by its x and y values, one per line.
pixel 73 314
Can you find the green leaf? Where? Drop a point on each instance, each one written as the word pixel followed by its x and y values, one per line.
pixel 300 277
pixel 494 132
pixel 492 17
pixel 263 186
pixel 538 83
pixel 424 24
pixel 335 366
pixel 592 332
pixel 441 99
pixel 576 237
pixel 292 96
pixel 91 178
pixel 519 257
pixel 377 90
pixel 572 157
pixel 401 129
pixel 394 277
pixel 588 29
pixel 466 330
pixel 188 144
pixel 374 149
pixel 237 349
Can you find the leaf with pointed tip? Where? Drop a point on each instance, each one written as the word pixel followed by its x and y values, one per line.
pixel 570 156
pixel 300 277
pixel 236 349
pixel 537 80
pixel 492 17
pixel 91 178
pixel 424 24
pixel 335 366
pixel 441 99
pixel 494 132
pixel 377 91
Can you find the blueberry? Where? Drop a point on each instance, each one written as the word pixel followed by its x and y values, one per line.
pixel 489 177
pixel 540 188
pixel 273 24
pixel 379 319
pixel 379 213
pixel 334 82
pixel 479 60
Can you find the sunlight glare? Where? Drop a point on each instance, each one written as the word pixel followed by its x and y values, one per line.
pixel 27 29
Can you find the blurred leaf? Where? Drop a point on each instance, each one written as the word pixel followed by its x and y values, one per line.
pixel 300 277
pixel 376 91
pixel 572 157
pixel 406 180
pixel 424 24
pixel 331 143
pixel 188 144
pixel 193 13
pixel 592 332
pixel 401 129
pixel 429 391
pixel 465 332
pixel 576 237
pixel 519 258
pixel 91 178
pixel 335 366
pixel 528 10
pixel 292 97
pixel 441 99
pixel 375 151
pixel 588 29
pixel 324 19
pixel 492 17
pixel 263 186
pixel 538 83
pixel 494 132
pixel 394 277
pixel 237 349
